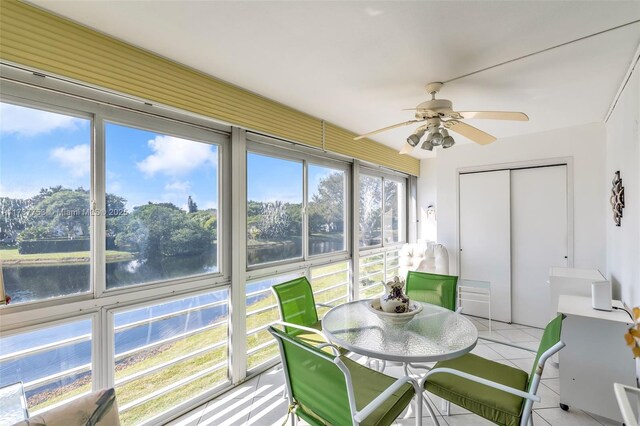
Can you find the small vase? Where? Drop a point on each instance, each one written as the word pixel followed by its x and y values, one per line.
pixel 394 299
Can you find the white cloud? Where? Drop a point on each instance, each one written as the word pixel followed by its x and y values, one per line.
pixel 174 156
pixel 178 186
pixel 31 122
pixel 77 159
pixel 19 191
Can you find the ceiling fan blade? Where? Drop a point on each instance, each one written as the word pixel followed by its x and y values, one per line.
pixel 407 148
pixel 386 128
pixel 495 115
pixel 476 135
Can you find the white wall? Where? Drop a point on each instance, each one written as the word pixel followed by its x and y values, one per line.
pixel 585 144
pixel 427 190
pixel 623 153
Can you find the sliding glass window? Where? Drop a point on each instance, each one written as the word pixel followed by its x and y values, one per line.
pixel 274 209
pixel 278 211
pixel 45 168
pixel 161 206
pixel 326 209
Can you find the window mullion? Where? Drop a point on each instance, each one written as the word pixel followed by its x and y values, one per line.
pixel 98 209
pixel 305 209
pixel 355 231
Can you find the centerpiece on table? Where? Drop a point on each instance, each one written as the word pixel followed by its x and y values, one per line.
pixel 394 305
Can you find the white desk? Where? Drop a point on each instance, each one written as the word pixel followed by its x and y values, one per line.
pixel 596 356
pixel 570 281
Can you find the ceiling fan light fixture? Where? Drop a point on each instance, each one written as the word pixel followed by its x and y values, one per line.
pixel 448 142
pixel 436 138
pixel 427 145
pixel 414 139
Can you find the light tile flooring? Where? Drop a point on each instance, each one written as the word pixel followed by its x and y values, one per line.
pixel 259 400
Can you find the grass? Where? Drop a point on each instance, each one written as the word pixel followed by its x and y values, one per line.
pixel 171 374
pixel 12 257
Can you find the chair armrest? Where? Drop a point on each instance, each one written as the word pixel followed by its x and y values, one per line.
pixel 371 407
pixel 502 342
pixel 311 330
pixel 624 404
pixel 483 381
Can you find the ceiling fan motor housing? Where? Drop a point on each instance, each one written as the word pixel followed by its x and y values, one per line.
pixel 434 108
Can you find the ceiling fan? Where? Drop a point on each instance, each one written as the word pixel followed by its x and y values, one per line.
pixel 439 117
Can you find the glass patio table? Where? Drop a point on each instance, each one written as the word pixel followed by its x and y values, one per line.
pixel 435 334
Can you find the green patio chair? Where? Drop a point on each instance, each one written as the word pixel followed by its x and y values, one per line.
pixel 331 389
pixel 298 306
pixel 497 392
pixel 436 289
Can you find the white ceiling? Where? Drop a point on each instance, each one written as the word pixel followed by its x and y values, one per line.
pixel 358 63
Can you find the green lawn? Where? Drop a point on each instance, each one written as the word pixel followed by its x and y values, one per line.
pixel 11 257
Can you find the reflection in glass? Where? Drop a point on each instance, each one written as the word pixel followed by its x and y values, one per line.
pixel 274 209
pixel 44 203
pixel 326 209
pixel 161 206
pixel 370 211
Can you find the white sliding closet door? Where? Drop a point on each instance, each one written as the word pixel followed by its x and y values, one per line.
pixel 539 238
pixel 485 241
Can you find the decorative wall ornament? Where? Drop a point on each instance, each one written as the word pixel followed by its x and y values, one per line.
pixel 617 198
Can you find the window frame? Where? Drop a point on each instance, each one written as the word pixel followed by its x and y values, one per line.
pixel 64 109
pixel 268 147
pixel 109 313
pixel 179 130
pixel 403 230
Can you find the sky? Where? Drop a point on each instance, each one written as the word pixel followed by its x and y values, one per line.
pixel 39 149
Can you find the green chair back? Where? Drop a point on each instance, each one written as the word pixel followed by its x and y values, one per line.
pixel 550 337
pixel 316 383
pixel 436 289
pixel 296 302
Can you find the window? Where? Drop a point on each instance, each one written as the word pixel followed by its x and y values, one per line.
pixel 375 269
pixel 44 203
pixel 169 352
pixel 326 209
pixel 162 206
pixel 382 211
pixel 54 363
pixel 330 285
pixel 370 211
pixel 262 311
pixel 274 209
pixel 394 208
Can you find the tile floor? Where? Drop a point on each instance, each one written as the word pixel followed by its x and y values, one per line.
pixel 259 400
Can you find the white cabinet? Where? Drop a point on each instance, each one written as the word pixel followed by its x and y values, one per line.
pixel 595 356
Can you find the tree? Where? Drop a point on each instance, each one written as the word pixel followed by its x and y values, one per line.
pixel 371 209
pixel 275 221
pixel 115 205
pixel 192 206
pixel 161 230
pixel 62 212
pixel 326 208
